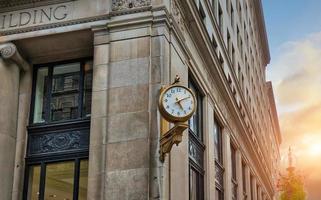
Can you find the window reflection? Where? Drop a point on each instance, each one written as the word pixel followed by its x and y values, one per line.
pixel 40 95
pixel 59 181
pixel 34 182
pixel 83 179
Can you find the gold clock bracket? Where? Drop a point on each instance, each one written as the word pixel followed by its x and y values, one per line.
pixel 171 137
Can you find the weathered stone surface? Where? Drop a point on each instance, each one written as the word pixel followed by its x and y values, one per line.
pixel 129 72
pixel 99 105
pixel 100 77
pixel 128 126
pixel 128 155
pixel 130 49
pixel 128 99
pixel 127 184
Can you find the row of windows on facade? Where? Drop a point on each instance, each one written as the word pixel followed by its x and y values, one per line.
pixel 231 49
pixel 255 106
pixel 196 154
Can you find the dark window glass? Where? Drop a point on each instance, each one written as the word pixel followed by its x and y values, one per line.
pixel 62 92
pixel 196 149
pixel 233 163
pixel 218 143
pixel 219 195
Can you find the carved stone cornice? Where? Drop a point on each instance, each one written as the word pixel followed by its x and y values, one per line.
pixel 129 4
pixel 9 51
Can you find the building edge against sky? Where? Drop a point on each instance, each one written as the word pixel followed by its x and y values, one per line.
pixel 79 85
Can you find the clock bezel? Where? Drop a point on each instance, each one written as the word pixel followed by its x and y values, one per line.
pixel 167 115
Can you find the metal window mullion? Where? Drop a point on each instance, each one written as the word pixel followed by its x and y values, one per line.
pixel 42 181
pixel 49 91
pixel 76 179
pixel 81 89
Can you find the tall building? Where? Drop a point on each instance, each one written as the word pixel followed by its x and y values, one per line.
pixel 79 88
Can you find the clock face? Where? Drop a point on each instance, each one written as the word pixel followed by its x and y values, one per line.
pixel 177 103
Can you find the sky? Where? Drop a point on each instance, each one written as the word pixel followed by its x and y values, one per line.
pixel 294 33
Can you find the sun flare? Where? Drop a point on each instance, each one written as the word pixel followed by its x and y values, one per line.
pixel 315 150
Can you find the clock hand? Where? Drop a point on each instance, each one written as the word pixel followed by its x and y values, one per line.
pixel 179 103
pixel 182 99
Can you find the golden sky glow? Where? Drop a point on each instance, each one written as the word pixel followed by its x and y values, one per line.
pixel 296 75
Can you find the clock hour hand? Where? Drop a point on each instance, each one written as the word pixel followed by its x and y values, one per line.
pixel 179 103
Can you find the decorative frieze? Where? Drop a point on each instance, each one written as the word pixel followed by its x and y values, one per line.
pixel 55 142
pixel 128 4
pixel 177 15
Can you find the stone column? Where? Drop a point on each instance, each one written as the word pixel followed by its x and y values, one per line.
pixel 227 166
pixel 248 182
pixel 259 192
pixel 10 64
pixel 239 174
pixel 211 153
pixel 98 129
pixel 254 189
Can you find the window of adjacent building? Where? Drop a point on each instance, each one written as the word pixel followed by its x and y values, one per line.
pixel 220 18
pixel 232 16
pixel 233 166
pixel 214 43
pixel 196 149
pixel 244 180
pixel 219 169
pixel 58 134
pixel 62 92
pixel 202 13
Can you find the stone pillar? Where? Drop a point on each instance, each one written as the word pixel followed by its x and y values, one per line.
pixel 239 174
pixel 211 153
pixel 254 189
pixel 259 193
pixel 23 121
pixel 98 129
pixel 248 182
pixel 10 64
pixel 227 166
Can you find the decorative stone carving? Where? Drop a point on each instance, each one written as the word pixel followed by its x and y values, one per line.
pixel 7 50
pixel 58 142
pixel 177 15
pixel 128 4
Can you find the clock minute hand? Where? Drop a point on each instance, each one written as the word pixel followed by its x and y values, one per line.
pixel 183 99
pixel 179 103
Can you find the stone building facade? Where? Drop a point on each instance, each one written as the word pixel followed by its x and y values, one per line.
pixel 79 86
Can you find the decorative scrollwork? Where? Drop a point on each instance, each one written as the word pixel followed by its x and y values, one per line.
pixel 128 4
pixel 7 50
pixel 177 15
pixel 58 142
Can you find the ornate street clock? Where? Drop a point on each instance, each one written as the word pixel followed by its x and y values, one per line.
pixel 177 104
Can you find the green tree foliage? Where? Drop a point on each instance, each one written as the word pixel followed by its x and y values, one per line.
pixel 292 187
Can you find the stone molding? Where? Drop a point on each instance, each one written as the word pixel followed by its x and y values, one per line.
pixel 9 51
pixel 128 4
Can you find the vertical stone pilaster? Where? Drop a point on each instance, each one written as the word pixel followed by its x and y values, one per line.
pixel 211 153
pixel 254 188
pixel 98 129
pixel 248 182
pixel 9 101
pixel 239 174
pixel 21 143
pixel 227 166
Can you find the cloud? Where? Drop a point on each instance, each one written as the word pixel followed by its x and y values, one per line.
pixel 296 74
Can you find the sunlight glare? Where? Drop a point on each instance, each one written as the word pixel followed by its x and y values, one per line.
pixel 315 149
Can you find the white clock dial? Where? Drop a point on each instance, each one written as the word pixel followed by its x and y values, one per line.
pixel 178 102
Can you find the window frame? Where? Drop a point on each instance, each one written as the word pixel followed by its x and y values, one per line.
pixel 198 141
pixel 47 108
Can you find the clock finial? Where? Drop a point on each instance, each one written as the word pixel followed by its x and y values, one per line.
pixel 177 79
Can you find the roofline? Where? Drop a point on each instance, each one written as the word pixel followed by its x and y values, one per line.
pixel 262 31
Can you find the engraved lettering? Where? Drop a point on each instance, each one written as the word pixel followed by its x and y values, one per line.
pixel 42 13
pixel 58 16
pixel 10 22
pixel 25 18
pixel 34 16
